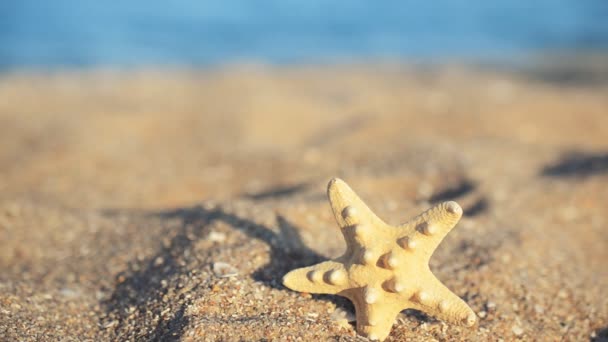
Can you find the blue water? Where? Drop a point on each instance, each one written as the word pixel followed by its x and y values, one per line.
pixel 66 33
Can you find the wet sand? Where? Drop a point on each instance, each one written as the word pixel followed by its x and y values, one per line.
pixel 167 205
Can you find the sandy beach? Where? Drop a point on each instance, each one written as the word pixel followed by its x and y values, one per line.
pixel 167 205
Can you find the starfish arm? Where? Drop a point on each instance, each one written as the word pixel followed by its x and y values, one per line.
pixel 431 227
pixel 374 320
pixel 328 277
pixel 348 208
pixel 444 304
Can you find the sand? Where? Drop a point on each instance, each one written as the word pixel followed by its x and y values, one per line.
pixel 167 205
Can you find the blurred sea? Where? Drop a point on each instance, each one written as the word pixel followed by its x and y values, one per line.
pixel 68 33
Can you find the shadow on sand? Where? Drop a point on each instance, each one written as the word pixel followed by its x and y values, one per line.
pixel 146 281
pixel 578 164
pixel 601 335
pixel 277 192
pixel 463 188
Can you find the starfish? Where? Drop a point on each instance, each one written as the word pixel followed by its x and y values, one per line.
pixel 385 268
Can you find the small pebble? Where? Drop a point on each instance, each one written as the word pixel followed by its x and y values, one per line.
pixel 491 305
pixel 110 324
pixel 224 270
pixel 159 261
pixel 517 330
pixel 69 293
pixel 341 314
pixel 216 237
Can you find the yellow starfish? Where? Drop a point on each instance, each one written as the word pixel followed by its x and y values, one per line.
pixel 385 269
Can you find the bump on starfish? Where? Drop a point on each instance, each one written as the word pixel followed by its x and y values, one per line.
pixel 385 268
